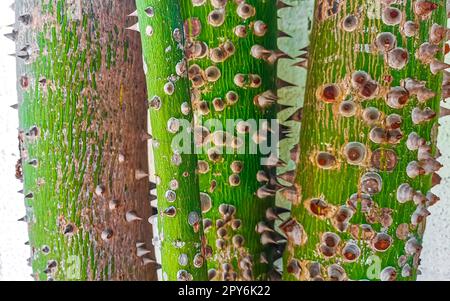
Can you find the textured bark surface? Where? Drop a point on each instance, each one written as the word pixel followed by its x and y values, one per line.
pixel 81 84
pixel 179 222
pixel 236 250
pixel 387 246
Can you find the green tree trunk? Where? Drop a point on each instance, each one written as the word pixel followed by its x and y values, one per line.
pixel 368 140
pixel 232 52
pixel 179 222
pixel 81 94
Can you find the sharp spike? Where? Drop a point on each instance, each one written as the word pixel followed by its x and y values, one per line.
pixel 23 219
pixel 273 213
pixel 147 261
pixel 26 48
pixel 131 216
pixel 152 185
pixel 282 106
pixel 263 227
pixel 15 106
pixel 134 27
pixel 435 179
pixel 141 251
pixel 266 239
pixel 25 19
pixel 282 34
pixel 146 136
pixel 133 14
pixel 274 161
pixel 24 57
pixel 12 35
pixel 265 192
pixel 20 56
pixel 288 176
pixel 445 91
pixel 285 135
pixel 263 258
pixel 291 194
pixel 274 184
pixel 283 84
pixel 152 219
pixel 295 152
pixel 306 48
pixel 154 211
pixel 304 56
pixel 301 64
pixel 281 4
pixel 436 66
pixel 152 197
pixel 296 116
pixel 276 55
pixel 438 153
pixel 284 129
pixel 140 174
pixel 446 79
pixel 444 112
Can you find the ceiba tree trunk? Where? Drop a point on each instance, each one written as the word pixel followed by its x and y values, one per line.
pixel 179 220
pixel 368 156
pixel 82 140
pixel 231 48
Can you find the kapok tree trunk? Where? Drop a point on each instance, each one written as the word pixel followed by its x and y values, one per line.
pixel 81 94
pixel 368 140
pixel 179 220
pixel 232 53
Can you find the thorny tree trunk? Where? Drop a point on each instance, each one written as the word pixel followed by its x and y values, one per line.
pixel 81 94
pixel 178 199
pixel 232 54
pixel 368 140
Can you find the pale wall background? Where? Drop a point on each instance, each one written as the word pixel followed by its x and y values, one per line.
pixel 13 234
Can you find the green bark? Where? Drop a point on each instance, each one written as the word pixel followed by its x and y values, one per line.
pixel 378 235
pixel 235 250
pixel 80 94
pixel 179 221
